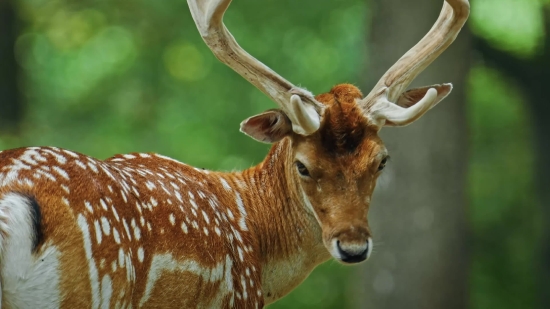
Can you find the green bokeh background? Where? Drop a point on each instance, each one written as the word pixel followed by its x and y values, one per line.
pixel 104 77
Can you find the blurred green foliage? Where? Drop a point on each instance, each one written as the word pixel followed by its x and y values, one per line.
pixel 512 25
pixel 504 214
pixel 104 77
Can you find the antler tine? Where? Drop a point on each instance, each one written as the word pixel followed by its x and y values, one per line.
pixel 394 82
pixel 208 16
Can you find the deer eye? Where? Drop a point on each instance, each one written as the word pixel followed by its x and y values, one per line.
pixel 383 163
pixel 302 169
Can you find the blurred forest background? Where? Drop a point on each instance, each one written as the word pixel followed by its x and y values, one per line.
pixel 461 218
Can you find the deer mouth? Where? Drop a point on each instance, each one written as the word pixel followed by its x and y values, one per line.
pixel 351 253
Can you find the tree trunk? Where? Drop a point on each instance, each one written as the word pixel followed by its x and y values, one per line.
pixel 10 107
pixel 541 112
pixel 418 213
pixel 533 76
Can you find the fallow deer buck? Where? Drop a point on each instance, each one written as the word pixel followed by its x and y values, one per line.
pixel 143 230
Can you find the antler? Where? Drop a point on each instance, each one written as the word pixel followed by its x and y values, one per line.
pixel 386 104
pixel 297 103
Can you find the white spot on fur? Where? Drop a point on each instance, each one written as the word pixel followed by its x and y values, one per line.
pixel 241 256
pixel 115 213
pixel 89 206
pixel 151 186
pixel 230 214
pixel 141 254
pixel 123 196
pixel 237 235
pixel 106 291
pixel 27 157
pixel 178 196
pixel 121 258
pixel 105 226
pixel 129 267
pixel 61 172
pixel 13 171
pixel 205 216
pixel 127 229
pixel 70 153
pixel 137 231
pixel 103 204
pixel 242 210
pixel 193 204
pixel 172 219
pixel 163 263
pixel 106 171
pixel 201 194
pixel 116 235
pixel 97 231
pixel 66 189
pixel 243 283
pixel 135 191
pixel 47 175
pixel 225 185
pixel 80 164
pixel 93 167
pixel 59 158
pixel 94 277
pixel 167 158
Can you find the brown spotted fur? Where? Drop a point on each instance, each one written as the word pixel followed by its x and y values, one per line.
pixel 153 194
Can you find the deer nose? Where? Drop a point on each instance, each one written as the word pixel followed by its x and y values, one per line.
pixel 354 252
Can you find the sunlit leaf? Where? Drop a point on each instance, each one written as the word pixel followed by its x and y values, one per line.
pixel 512 25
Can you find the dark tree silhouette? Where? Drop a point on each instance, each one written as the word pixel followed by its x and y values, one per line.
pixel 10 103
pixel 533 77
pixel 418 213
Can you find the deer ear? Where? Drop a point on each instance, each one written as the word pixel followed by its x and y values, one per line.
pixel 412 96
pixel 268 127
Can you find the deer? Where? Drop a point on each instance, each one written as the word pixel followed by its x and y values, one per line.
pixel 143 230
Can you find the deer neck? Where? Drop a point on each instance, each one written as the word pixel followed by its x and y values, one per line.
pixel 289 236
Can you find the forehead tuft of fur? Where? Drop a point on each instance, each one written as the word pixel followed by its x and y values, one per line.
pixel 344 125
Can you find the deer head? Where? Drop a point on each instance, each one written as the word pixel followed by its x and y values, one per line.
pixel 336 154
